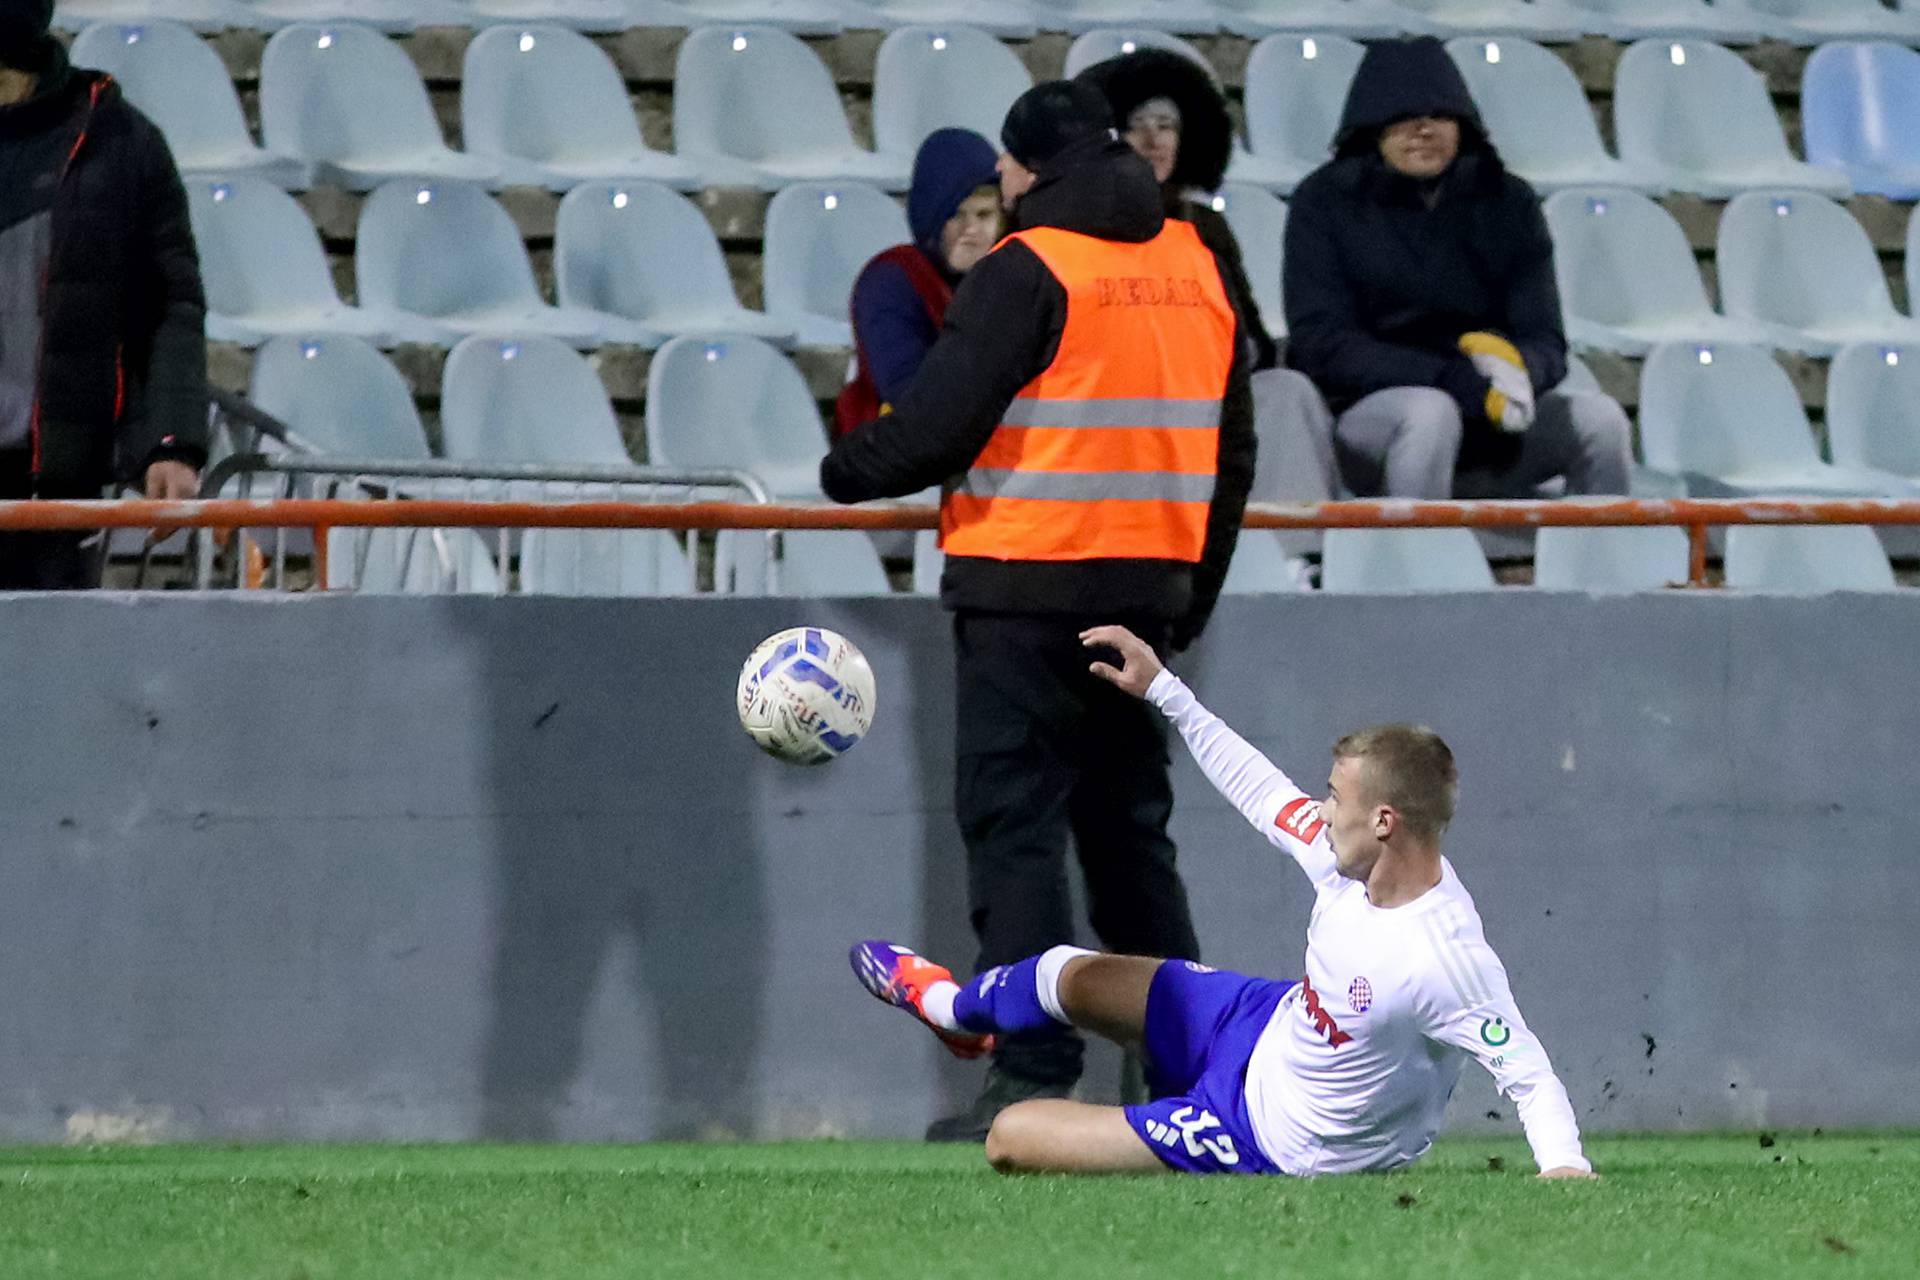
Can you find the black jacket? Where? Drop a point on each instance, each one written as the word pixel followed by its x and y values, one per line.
pixel 1385 273
pixel 1002 331
pixel 123 367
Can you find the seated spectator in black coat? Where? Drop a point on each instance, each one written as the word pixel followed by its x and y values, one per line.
pixel 1420 299
pixel 900 297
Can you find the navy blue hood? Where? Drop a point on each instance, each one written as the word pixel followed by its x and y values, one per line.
pixel 1398 79
pixel 950 165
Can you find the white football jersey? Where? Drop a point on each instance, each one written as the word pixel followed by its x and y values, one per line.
pixel 1354 1070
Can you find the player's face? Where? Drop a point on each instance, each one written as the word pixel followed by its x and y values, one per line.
pixel 1350 820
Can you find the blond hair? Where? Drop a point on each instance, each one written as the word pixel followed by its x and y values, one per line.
pixel 1409 767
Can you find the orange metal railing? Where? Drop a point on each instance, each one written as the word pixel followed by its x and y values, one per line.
pixel 1696 516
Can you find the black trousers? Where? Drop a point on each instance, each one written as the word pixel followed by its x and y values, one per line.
pixel 1047 751
pixel 41 561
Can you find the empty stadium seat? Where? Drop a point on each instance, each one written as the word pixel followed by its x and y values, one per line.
pixel 530 400
pixel 447 257
pixel 1728 420
pixel 1628 278
pixel 754 105
pixel 604 562
pixel 196 15
pixel 1537 116
pixel 1609 560
pixel 813 563
pixel 817 239
pixel 1529 19
pixel 410 562
pixel 929 562
pixel 1812 21
pixel 928 78
pixel 1699 114
pixel 1261 566
pixel 1360 19
pixel 350 102
pixel 179 82
pixel 1806 559
pixel 1857 104
pixel 548 107
pixel 1296 88
pixel 580 15
pixel 1803 266
pixel 1873 408
pixel 641 252
pixel 391 17
pixel 339 396
pixel 1186 17
pixel 1363 561
pixel 1259 223
pixel 264 272
pixel 736 404
pixel 1006 19
pixel 1672 20
pixel 801 17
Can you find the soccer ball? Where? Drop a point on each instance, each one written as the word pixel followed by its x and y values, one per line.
pixel 806 695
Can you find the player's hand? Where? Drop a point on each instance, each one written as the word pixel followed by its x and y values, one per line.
pixel 1568 1171
pixel 1138 662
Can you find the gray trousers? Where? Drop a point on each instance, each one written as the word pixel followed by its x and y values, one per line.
pixel 1403 443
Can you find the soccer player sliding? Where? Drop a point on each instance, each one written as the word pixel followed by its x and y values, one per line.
pixel 1348 1069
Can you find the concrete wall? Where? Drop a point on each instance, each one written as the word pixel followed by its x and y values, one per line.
pixel 441 868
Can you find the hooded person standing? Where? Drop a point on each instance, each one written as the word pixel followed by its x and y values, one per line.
pixel 1086 410
pixel 1420 299
pixel 900 297
pixel 102 354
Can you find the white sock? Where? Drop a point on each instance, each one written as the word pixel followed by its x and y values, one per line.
pixel 937 1004
pixel 1046 977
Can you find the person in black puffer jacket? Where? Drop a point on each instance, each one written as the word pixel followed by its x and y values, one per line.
pixel 1420 299
pixel 102 353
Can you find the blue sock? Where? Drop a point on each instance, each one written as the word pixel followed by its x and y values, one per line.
pixel 1003 1000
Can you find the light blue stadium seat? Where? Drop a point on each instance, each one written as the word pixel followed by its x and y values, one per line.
pixel 813 563
pixel 1857 104
pixel 641 252
pixel 801 17
pixel 754 105
pixel 1185 17
pixel 339 396
pixel 390 17
pixel 447 257
pixel 1359 19
pixel 818 236
pixel 928 78
pixel 738 404
pixel 1673 20
pixel 411 561
pixel 1812 21
pixel 1005 19
pixel 1261 567
pixel 1259 223
pixel 929 562
pixel 1393 561
pixel 548 107
pixel 196 15
pixel 1537 116
pixel 579 15
pixel 1803 266
pixel 1873 408
pixel 1728 420
pixel 604 562
pixel 1528 19
pixel 530 400
pixel 1628 278
pixel 350 102
pixel 179 82
pixel 1701 115
pixel 1806 559
pixel 1609 560
pixel 1296 88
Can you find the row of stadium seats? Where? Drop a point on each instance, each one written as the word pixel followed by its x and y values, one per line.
pixel 1739 21
pixel 754 106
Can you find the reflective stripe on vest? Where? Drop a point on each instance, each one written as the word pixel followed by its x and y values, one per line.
pixel 1111 451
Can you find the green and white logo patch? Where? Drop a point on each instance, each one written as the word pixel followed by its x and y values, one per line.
pixel 1495 1032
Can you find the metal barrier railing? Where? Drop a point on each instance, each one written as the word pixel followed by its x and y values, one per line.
pixel 1696 516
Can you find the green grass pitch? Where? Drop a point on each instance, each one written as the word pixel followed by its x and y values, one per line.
pixel 1743 1205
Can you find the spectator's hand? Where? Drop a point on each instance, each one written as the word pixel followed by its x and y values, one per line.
pixel 1138 662
pixel 1510 397
pixel 171 480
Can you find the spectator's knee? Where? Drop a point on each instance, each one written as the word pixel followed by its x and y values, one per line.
pixel 1432 417
pixel 1601 425
pixel 1012 1138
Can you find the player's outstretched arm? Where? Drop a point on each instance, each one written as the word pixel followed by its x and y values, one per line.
pixel 1264 795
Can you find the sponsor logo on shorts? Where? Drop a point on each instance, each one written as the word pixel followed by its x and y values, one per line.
pixel 1194 966
pixel 1300 818
pixel 1360 995
pixel 1185 1128
pixel 1495 1032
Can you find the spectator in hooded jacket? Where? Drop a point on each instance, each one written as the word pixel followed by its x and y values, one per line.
pixel 102 358
pixel 1420 299
pixel 900 297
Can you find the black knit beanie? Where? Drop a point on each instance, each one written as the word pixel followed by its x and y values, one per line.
pixel 23 33
pixel 1052 117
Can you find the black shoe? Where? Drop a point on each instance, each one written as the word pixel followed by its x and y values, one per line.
pixel 1002 1091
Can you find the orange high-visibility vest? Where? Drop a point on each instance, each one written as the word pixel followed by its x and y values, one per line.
pixel 1111 451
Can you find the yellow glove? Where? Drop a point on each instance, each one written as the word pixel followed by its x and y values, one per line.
pixel 1510 398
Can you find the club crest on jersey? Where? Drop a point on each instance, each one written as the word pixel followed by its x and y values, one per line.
pixel 1316 1014
pixel 1360 995
pixel 1300 818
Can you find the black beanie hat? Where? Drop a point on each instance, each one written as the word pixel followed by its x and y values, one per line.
pixel 1052 117
pixel 23 32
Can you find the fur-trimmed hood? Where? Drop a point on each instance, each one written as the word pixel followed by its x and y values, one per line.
pixel 1206 131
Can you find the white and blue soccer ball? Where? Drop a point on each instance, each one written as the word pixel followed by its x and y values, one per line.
pixel 806 695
